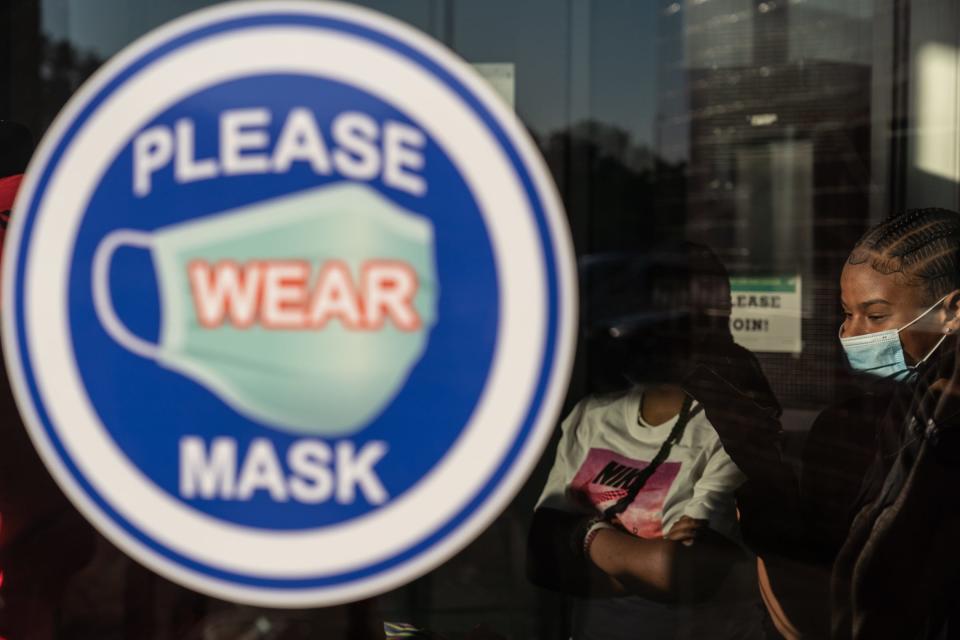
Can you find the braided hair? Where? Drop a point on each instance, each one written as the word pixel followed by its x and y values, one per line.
pixel 921 244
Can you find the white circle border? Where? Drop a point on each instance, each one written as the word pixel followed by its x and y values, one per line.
pixel 555 388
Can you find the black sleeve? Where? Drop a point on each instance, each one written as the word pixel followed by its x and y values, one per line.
pixel 839 454
pixel 739 405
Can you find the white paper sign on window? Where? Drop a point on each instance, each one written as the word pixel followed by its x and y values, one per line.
pixel 766 313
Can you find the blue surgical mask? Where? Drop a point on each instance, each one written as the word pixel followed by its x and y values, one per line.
pixel 880 354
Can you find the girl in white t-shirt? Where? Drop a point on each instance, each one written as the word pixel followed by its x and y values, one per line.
pixel 638 515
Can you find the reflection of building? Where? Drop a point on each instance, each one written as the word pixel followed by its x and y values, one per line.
pixel 771 153
pixel 778 179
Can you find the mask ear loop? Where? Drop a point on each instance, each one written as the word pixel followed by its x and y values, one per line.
pixel 939 342
pixel 930 353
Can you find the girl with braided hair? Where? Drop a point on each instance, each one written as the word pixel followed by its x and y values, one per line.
pixel 898 571
pixel 890 570
pixel 909 263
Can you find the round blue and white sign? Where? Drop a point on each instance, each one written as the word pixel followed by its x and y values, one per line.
pixel 289 302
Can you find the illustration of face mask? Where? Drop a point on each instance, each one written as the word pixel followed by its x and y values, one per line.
pixel 306 312
pixel 880 354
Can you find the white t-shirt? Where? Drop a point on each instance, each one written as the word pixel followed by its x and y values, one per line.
pixel 604 444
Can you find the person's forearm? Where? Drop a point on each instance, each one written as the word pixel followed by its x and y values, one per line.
pixel 660 569
pixel 641 566
pixel 553 564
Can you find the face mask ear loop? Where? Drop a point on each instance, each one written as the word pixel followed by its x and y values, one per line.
pixel 929 309
pixel 930 353
pixel 939 342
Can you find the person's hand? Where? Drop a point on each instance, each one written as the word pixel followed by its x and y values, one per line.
pixel 948 387
pixel 938 415
pixel 686 530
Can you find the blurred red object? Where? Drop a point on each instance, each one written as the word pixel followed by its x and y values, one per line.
pixel 8 191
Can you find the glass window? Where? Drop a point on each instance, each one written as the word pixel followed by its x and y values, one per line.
pixel 775 133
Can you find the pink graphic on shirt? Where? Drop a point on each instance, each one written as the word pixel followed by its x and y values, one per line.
pixel 606 476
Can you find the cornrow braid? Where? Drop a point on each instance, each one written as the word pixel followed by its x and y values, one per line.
pixel 921 244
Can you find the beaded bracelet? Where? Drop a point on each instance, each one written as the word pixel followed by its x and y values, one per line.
pixel 592 532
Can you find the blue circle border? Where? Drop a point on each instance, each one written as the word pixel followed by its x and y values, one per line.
pixel 543 226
